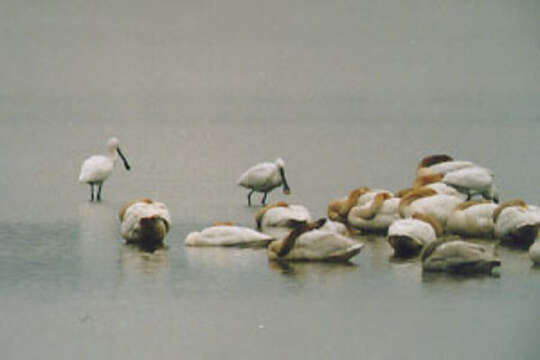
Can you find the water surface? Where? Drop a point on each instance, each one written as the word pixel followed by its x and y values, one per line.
pixel 348 93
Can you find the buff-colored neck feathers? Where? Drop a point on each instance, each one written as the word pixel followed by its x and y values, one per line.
pixel 506 204
pixel 124 207
pixel 435 224
pixel 413 196
pixel 260 214
pixel 339 209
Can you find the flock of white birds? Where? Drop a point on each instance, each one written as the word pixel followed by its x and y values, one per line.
pixel 448 202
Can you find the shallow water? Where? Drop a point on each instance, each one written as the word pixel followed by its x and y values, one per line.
pixel 348 93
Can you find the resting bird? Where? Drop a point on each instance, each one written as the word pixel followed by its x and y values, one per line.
pixel 516 224
pixel 339 209
pixel 375 215
pixel 145 223
pixel 273 219
pixel 426 201
pixel 306 242
pixel 97 168
pixel 458 256
pixel 264 177
pixel 472 219
pixel 227 234
pixel 409 236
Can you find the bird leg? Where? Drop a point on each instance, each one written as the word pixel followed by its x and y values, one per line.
pixel 249 197
pixel 264 199
pixel 99 192
pixel 91 192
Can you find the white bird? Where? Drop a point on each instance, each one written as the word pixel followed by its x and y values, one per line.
pixel 409 236
pixel 273 219
pixel 428 202
pixel 534 252
pixel 370 194
pixel 339 209
pixel 97 168
pixel 307 243
pixel 473 180
pixel 375 215
pixel 440 163
pixel 434 181
pixel 228 235
pixel 458 256
pixel 472 219
pixel 516 224
pixel 264 177
pixel 144 222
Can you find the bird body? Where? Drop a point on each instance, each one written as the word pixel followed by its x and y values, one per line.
pixel 228 235
pixel 442 188
pixel 516 224
pixel 409 236
pixel 145 223
pixel 316 245
pixel 449 166
pixel 473 180
pixel 275 220
pixel 472 219
pixel 375 215
pixel 339 209
pixel 97 168
pixel 428 202
pixel 458 256
pixel 263 178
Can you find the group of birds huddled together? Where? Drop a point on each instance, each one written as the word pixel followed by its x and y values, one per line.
pixel 448 201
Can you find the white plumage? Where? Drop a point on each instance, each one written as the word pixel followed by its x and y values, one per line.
pixel 439 206
pixel 144 222
pixel 264 177
pixel 517 225
pixel 448 166
pixel 317 245
pixel 381 219
pixel 97 168
pixel 473 221
pixel 409 236
pixel 275 221
pixel 458 256
pixel 473 180
pixel 225 235
pixel 442 188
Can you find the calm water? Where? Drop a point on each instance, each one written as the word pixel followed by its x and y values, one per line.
pixel 349 93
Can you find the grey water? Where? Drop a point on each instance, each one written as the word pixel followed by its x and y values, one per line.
pixel 349 93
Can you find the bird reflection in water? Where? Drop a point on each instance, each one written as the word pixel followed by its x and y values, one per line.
pixel 133 259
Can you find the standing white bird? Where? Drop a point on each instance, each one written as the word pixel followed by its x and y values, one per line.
pixel 97 168
pixel 264 177
pixel 144 222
